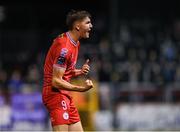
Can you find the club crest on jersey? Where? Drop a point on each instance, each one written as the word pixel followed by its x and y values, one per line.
pixel 65 115
pixel 62 57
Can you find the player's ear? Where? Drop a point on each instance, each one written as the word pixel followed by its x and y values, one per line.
pixel 77 27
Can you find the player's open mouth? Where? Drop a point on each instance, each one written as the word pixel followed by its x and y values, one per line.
pixel 89 31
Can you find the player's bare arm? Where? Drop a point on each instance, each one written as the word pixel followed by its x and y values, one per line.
pixel 59 82
pixel 83 71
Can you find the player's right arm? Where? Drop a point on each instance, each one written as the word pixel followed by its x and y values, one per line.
pixel 62 55
pixel 60 83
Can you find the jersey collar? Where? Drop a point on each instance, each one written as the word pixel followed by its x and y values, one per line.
pixel 71 39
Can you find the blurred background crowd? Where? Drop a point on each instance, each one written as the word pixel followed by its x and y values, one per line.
pixel 134 51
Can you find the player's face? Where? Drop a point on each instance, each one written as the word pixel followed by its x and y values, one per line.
pixel 85 27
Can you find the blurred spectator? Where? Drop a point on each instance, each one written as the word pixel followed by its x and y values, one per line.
pixel 15 82
pixel 33 75
pixel 168 50
pixel 169 71
pixel 5 114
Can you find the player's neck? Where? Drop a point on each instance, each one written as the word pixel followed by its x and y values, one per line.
pixel 74 35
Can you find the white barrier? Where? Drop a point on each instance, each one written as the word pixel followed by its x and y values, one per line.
pixel 148 116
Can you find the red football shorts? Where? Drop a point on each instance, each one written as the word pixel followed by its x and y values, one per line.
pixel 62 110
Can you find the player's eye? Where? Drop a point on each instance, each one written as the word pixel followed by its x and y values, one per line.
pixel 88 22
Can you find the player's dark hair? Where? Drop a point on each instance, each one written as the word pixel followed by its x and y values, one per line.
pixel 74 16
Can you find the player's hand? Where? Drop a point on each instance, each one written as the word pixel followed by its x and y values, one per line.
pixel 88 84
pixel 85 68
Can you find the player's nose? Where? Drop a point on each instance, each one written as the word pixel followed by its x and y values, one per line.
pixel 91 25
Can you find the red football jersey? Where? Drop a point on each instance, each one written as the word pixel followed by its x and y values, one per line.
pixel 62 53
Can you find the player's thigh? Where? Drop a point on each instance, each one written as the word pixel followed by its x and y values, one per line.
pixel 60 128
pixel 59 111
pixel 76 127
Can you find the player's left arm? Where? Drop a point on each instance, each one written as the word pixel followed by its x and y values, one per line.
pixel 83 71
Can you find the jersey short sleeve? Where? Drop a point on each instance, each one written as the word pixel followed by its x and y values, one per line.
pixel 62 54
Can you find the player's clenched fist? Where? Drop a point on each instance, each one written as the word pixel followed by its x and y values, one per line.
pixel 85 68
pixel 89 84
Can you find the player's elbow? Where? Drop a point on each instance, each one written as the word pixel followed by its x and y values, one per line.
pixel 56 82
pixel 53 82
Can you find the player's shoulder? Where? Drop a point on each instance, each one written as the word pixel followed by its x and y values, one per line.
pixel 61 36
pixel 60 39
